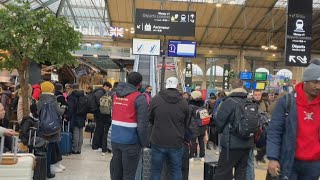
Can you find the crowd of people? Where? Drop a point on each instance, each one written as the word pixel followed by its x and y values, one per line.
pixel 176 127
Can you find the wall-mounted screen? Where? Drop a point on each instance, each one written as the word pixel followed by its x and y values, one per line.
pixel 260 76
pixel 149 47
pixel 247 84
pixel 258 85
pixel 245 75
pixel 182 48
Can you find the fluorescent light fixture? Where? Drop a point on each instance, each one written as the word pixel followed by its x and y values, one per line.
pixel 132 32
pixel 218 5
pixel 263 47
pixel 127 29
pixel 95 55
pixel 273 55
pixel 210 51
pixel 132 28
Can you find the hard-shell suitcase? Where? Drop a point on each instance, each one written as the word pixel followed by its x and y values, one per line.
pixel 65 144
pixel 109 139
pixel 15 166
pixel 209 170
pixel 40 169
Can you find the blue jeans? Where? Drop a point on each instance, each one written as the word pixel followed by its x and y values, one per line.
pixel 250 166
pixel 304 170
pixel 173 157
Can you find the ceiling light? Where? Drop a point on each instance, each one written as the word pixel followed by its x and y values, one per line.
pixel 263 47
pixel 273 55
pixel 132 32
pixel 232 2
pixel 218 5
pixel 210 51
pixel 275 48
pixel 266 48
pixel 132 28
pixel 127 29
pixel 95 55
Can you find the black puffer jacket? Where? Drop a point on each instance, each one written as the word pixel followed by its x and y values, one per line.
pixel 170 119
pixel 26 124
pixel 196 130
pixel 225 116
pixel 73 99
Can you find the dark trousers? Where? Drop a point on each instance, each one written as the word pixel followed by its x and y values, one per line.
pixel 261 153
pixel 213 135
pixel 105 135
pixel 304 170
pixel 194 148
pixel 49 157
pixel 99 132
pixel 124 162
pixel 185 163
pixel 237 159
pixel 173 157
pixel 55 153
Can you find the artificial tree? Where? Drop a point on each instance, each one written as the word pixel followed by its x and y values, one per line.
pixel 28 35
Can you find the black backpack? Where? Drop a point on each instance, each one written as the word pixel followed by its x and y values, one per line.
pixel 247 118
pixel 92 104
pixel 50 122
pixel 82 105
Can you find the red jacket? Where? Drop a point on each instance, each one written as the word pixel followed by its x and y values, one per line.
pixel 308 127
pixel 36 91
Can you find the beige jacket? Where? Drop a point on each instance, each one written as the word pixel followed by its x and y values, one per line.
pixel 20 107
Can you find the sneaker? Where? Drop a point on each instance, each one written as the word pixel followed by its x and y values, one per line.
pixel 202 159
pixel 191 160
pixel 55 169
pixel 49 176
pixel 97 150
pixel 208 147
pixel 217 152
pixel 103 154
pixel 60 166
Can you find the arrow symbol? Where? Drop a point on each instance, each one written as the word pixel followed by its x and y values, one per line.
pixel 291 59
pixel 302 60
pixel 192 16
pixel 138 26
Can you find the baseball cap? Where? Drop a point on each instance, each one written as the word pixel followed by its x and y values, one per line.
pixel 172 82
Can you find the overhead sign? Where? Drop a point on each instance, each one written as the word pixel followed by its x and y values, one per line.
pixel 188 75
pixel 299 32
pixel 162 22
pixel 149 47
pixel 226 79
pixel 182 49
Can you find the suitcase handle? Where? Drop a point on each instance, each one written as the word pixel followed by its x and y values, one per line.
pixel 63 130
pixel 15 148
pixel 34 138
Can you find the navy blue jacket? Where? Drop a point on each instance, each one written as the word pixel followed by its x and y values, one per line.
pixel 281 136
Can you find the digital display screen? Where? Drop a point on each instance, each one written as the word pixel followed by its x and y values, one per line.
pixel 259 86
pixel 260 76
pixel 247 84
pixel 246 75
pixel 182 48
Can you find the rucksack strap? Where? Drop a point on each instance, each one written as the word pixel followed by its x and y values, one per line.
pixel 148 98
pixel 288 98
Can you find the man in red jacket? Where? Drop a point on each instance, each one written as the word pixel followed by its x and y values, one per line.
pixel 293 143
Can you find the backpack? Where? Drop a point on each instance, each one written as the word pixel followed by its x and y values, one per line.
pixel 106 104
pixel 247 118
pixel 148 98
pixel 202 116
pixel 92 104
pixel 50 122
pixel 82 105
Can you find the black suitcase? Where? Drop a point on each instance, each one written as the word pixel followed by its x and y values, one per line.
pixel 40 170
pixel 209 170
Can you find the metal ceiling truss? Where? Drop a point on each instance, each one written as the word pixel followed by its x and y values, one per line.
pixel 206 30
pixel 44 5
pixel 72 13
pixel 258 24
pixel 106 11
pixel 61 5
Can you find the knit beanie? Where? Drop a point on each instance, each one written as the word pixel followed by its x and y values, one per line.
pixel 196 95
pixel 312 72
pixel 47 87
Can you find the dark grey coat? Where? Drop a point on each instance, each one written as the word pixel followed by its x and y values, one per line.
pixel 52 99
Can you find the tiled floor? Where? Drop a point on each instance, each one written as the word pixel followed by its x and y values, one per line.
pixel 92 166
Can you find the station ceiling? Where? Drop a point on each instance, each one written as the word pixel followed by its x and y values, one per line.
pixel 237 23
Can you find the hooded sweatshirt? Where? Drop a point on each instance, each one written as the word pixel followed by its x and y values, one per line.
pixel 170 118
pixel 308 127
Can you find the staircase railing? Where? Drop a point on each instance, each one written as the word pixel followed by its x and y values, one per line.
pixel 180 74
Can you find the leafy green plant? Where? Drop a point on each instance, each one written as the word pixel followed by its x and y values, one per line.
pixel 27 35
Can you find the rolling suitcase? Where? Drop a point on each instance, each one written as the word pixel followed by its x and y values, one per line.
pixel 40 169
pixel 15 166
pixel 65 144
pixel 109 139
pixel 209 170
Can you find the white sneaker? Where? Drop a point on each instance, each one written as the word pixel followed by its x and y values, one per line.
pixel 55 169
pixel 60 166
pixel 217 152
pixel 97 150
pixel 202 159
pixel 103 154
pixel 191 160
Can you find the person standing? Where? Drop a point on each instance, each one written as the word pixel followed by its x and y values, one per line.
pixel 170 121
pixel 213 135
pixel 77 120
pixel 6 101
pixel 293 139
pixel 130 120
pixel 36 90
pixel 100 119
pixel 234 149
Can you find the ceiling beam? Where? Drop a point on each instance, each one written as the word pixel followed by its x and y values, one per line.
pixel 87 7
pixel 61 5
pixel 258 24
pixel 209 22
pixel 107 12
pixel 44 5
pixel 234 23
pixel 72 13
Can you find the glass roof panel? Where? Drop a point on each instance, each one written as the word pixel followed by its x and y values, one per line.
pixel 283 4
pixel 237 2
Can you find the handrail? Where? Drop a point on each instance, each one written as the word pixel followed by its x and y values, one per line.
pixel 136 63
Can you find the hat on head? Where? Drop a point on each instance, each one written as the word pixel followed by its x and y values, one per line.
pixel 47 87
pixel 312 72
pixel 172 83
pixel 196 95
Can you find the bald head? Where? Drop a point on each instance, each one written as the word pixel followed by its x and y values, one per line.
pixel 236 83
